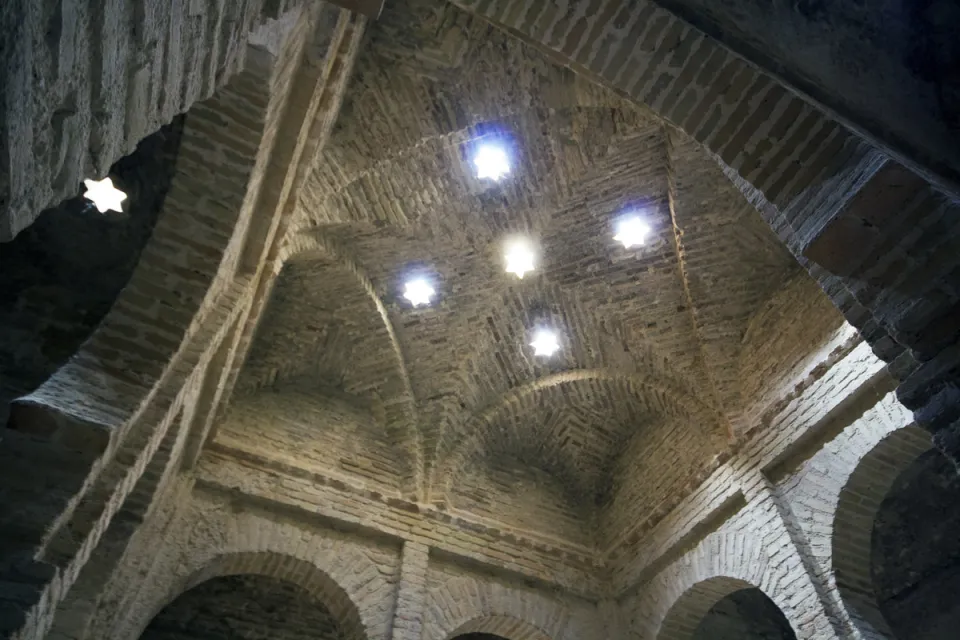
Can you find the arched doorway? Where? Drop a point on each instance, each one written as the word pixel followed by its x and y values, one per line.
pixel 915 551
pixel 246 606
pixel 62 274
pixel 747 614
pixel 725 608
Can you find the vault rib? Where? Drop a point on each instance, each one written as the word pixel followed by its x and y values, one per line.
pixel 685 278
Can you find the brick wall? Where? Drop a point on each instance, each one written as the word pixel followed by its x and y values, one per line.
pixel 211 537
pixel 524 497
pixel 323 433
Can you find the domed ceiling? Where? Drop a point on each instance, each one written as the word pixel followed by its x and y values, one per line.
pixel 650 337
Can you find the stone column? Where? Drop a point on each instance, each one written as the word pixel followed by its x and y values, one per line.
pixel 412 592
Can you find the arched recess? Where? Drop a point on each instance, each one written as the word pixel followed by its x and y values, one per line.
pixel 915 555
pixel 863 489
pixel 212 539
pixel 464 605
pixel 348 326
pixel 676 600
pixel 501 626
pixel 318 429
pixel 628 399
pixel 726 608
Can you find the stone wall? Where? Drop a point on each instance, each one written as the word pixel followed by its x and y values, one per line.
pixel 83 84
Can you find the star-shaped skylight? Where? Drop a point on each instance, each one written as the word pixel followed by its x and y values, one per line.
pixel 104 196
pixel 491 162
pixel 418 292
pixel 631 231
pixel 520 257
pixel 545 343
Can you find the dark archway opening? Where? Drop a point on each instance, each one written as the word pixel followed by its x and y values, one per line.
pixel 915 551
pixel 61 275
pixel 245 607
pixel 478 636
pixel 745 614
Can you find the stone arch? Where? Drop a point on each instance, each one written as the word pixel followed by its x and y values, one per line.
pixel 464 605
pixel 680 595
pixel 863 489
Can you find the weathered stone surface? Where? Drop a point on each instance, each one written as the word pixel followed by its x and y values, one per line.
pixel 84 83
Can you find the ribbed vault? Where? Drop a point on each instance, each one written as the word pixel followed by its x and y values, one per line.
pixel 651 337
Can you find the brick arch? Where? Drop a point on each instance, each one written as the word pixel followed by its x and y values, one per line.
pixel 303 573
pixel 678 598
pixel 214 540
pixel 468 440
pixel 690 609
pixel 502 626
pixel 464 605
pixel 868 478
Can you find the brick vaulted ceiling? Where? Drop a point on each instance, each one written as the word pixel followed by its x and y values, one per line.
pixel 651 338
